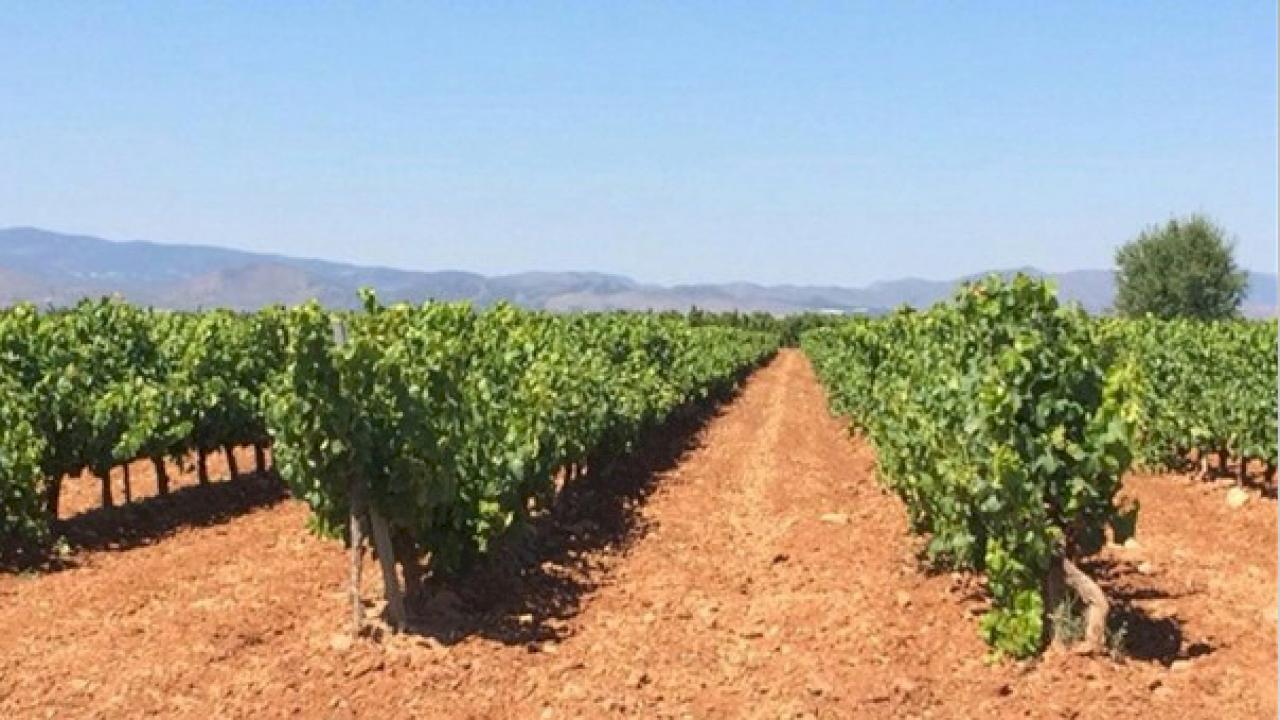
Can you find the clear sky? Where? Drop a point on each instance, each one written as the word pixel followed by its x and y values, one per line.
pixel 774 142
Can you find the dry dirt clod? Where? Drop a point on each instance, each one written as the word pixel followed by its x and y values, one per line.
pixel 906 686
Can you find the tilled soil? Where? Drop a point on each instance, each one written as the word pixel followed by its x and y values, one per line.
pixel 746 565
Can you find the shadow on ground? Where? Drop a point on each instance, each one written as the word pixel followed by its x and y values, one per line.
pixel 1146 637
pixel 145 521
pixel 524 593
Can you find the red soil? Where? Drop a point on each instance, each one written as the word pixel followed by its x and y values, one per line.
pixel 701 581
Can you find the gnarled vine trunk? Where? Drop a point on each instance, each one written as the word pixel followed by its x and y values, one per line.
pixel 202 466
pixel 233 467
pixel 1097 607
pixel 357 539
pixel 1064 576
pixel 52 494
pixel 259 458
pixel 366 521
pixel 162 475
pixel 387 561
pixel 1053 593
pixel 407 555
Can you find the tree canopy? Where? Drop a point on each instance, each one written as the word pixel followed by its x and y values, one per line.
pixel 1184 268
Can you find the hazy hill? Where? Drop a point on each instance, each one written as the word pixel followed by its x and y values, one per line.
pixel 55 268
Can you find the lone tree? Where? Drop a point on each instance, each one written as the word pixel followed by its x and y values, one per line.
pixel 1184 268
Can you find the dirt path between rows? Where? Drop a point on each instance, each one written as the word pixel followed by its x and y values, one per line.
pixel 750 569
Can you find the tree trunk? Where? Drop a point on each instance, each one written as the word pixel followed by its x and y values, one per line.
pixel 128 483
pixel 1204 466
pixel 1271 472
pixel 202 466
pixel 1243 471
pixel 259 458
pixel 387 560
pixel 1096 606
pixel 162 475
pixel 232 466
pixel 1224 456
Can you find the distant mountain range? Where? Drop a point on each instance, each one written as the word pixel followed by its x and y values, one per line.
pixel 58 269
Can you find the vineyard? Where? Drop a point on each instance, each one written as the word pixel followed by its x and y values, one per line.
pixel 105 382
pixel 433 428
pixel 441 429
pixel 1021 438
pixel 1005 423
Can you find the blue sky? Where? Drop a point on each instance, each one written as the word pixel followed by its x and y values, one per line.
pixel 777 142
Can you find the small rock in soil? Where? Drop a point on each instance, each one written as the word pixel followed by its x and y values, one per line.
pixel 1131 544
pixel 1237 497
pixel 836 518
pixel 637 678
pixel 1147 568
pixel 340 642
pixel 819 686
pixel 367 666
pixel 1180 665
pixel 904 598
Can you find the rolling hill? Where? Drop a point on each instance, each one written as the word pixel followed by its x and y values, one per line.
pixel 58 269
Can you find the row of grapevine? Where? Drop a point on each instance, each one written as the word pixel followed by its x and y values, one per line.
pixel 1208 388
pixel 997 422
pixel 788 328
pixel 435 429
pixel 105 382
pixel 442 423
